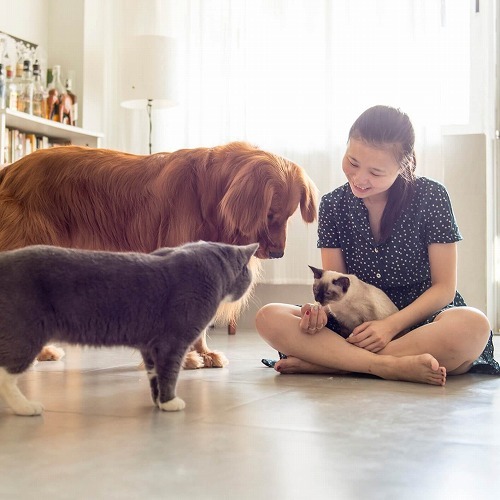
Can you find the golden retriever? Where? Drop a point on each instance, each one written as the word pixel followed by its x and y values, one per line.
pixel 88 198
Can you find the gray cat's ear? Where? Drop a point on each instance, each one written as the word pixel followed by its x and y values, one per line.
pixel 161 252
pixel 250 249
pixel 318 273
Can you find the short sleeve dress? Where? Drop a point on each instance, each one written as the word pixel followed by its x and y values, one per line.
pixel 400 265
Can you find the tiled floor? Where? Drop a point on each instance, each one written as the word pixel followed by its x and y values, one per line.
pixel 247 433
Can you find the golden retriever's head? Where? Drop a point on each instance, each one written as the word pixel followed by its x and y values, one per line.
pixel 263 191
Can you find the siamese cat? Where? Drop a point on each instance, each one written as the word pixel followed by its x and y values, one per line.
pixel 350 300
pixel 158 303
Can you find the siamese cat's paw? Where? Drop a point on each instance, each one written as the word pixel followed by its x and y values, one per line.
pixel 175 404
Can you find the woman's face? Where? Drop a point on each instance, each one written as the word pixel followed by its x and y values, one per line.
pixel 370 171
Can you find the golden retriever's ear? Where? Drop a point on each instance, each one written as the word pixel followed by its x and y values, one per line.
pixel 245 205
pixel 308 198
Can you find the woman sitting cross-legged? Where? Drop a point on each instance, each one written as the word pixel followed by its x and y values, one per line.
pixel 396 231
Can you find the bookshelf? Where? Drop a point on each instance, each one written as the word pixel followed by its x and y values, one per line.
pixel 41 127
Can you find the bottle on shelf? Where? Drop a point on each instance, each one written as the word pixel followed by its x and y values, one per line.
pixel 74 102
pixel 55 92
pixel 3 87
pixel 18 82
pixel 39 93
pixel 11 89
pixel 50 78
pixel 25 97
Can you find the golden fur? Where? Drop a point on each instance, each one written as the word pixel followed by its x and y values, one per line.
pixel 89 198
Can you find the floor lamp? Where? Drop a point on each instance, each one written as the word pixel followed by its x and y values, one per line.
pixel 149 75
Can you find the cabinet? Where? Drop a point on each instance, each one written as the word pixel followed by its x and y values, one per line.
pixel 41 127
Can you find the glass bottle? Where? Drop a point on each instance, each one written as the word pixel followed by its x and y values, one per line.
pixel 18 82
pixel 74 101
pixel 55 92
pixel 26 95
pixel 39 93
pixel 11 89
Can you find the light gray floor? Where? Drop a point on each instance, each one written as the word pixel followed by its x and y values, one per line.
pixel 247 433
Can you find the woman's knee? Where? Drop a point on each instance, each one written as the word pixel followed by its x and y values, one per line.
pixel 468 320
pixel 265 319
pixel 273 319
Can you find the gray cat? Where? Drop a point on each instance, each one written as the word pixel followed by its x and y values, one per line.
pixel 350 300
pixel 158 303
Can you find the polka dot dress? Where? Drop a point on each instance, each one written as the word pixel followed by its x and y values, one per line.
pixel 400 265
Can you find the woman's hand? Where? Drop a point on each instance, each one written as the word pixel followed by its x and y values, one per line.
pixel 372 335
pixel 313 318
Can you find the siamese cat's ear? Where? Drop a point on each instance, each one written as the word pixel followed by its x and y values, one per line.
pixel 318 273
pixel 343 283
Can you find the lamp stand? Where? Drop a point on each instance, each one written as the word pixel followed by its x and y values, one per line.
pixel 149 107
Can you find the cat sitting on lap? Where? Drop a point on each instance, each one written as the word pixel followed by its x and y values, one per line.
pixel 158 303
pixel 350 300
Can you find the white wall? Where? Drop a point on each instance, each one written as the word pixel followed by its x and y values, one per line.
pixel 97 93
pixel 466 179
pixel 26 19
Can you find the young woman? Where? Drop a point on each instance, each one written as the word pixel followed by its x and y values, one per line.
pixel 397 232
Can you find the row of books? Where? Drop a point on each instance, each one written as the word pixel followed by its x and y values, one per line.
pixel 18 144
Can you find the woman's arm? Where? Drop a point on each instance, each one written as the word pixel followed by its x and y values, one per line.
pixel 333 260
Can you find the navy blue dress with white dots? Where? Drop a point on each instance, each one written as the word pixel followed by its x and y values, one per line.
pixel 400 265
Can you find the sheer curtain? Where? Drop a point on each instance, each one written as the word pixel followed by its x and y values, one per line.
pixel 292 75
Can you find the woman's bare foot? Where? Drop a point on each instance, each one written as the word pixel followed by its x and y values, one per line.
pixel 291 365
pixel 422 368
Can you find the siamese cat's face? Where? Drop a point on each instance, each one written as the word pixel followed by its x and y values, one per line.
pixel 329 286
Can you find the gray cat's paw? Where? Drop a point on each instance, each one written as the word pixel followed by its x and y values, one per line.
pixel 29 409
pixel 175 404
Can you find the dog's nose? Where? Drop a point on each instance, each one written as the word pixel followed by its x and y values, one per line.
pixel 276 255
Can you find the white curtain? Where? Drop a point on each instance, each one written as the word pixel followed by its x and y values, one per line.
pixel 292 75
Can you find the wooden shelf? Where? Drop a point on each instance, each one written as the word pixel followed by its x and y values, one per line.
pixel 41 127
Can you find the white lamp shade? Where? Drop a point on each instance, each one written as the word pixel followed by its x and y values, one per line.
pixel 149 72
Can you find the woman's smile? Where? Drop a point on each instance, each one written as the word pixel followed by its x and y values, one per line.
pixel 359 188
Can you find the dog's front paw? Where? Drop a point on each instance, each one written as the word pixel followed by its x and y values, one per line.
pixel 193 360
pixel 175 404
pixel 50 353
pixel 214 359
